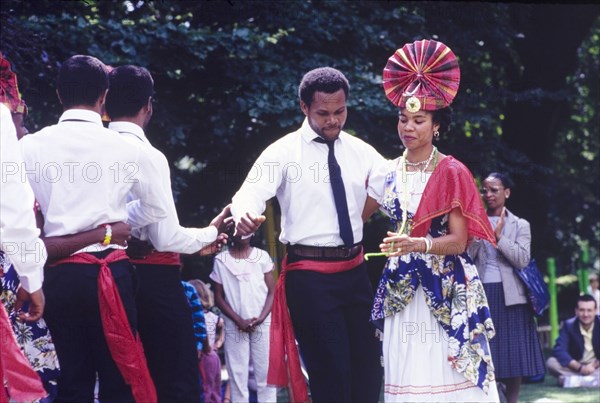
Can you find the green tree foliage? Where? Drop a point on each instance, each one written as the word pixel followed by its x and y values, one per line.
pixel 226 75
pixel 576 155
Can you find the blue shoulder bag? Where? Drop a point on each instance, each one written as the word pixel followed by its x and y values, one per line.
pixel 537 291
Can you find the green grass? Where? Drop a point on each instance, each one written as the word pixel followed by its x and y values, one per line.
pixel 549 391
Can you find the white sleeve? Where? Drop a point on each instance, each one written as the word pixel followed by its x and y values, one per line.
pixel 260 185
pixel 19 235
pixel 266 262
pixel 215 275
pixel 376 186
pixel 168 235
pixel 153 202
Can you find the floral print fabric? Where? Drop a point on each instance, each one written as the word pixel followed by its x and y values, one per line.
pixel 453 292
pixel 33 337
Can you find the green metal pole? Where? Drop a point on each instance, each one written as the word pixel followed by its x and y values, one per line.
pixel 584 280
pixel 553 301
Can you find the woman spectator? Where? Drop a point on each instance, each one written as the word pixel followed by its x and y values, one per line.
pixel 516 349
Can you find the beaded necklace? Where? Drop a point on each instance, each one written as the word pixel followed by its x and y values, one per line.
pixel 404 202
pixel 424 162
pixel 401 228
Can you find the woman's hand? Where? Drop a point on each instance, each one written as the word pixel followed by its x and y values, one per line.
pixel 398 245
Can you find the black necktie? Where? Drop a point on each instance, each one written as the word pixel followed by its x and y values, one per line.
pixel 339 194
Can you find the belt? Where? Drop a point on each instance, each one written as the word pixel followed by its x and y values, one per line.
pixel 316 252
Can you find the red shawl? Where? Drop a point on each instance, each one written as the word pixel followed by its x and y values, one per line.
pixel 23 382
pixel 452 185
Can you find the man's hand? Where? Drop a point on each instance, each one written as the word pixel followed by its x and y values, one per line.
pixel 587 369
pixel 36 304
pixel 223 221
pixel 214 247
pixel 121 233
pixel 249 224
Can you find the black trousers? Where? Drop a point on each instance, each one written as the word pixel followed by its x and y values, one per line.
pixel 73 317
pixel 330 314
pixel 167 332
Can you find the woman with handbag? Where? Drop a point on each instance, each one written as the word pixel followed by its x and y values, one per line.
pixel 516 350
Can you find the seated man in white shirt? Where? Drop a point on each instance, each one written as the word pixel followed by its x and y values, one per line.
pixel 164 315
pixel 320 175
pixel 81 174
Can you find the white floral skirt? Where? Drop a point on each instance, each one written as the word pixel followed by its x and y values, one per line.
pixel 415 353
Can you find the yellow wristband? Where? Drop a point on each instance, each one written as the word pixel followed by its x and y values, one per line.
pixel 107 235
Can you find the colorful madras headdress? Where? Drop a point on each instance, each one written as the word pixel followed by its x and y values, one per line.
pixel 9 90
pixel 423 75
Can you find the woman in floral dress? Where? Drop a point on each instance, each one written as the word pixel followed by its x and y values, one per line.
pixel 430 302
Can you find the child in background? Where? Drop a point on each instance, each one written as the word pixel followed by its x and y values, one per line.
pixel 210 363
pixel 199 322
pixel 244 288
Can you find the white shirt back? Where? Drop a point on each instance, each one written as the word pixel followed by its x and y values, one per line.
pixel 81 174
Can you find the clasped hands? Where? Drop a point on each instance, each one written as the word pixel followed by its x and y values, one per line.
pixel 248 325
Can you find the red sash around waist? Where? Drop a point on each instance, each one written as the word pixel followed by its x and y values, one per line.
pixel 24 384
pixel 161 258
pixel 125 348
pixel 282 372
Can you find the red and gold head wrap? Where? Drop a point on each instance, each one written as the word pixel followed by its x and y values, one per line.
pixel 423 75
pixel 9 90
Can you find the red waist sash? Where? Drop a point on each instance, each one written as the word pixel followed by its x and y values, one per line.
pixel 161 258
pixel 125 348
pixel 282 372
pixel 24 384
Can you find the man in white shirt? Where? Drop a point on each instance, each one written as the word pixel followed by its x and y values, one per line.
pixel 164 315
pixel 20 243
pixel 327 286
pixel 81 174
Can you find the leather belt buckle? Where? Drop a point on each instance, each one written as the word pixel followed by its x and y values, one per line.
pixel 316 252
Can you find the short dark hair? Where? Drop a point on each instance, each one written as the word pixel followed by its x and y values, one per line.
pixel 81 80
pixel 129 90
pixel 443 117
pixel 503 178
pixel 585 298
pixel 322 79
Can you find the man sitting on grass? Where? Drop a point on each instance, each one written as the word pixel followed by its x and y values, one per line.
pixel 577 348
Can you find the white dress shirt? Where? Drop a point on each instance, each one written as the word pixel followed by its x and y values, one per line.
pixel 81 174
pixel 294 168
pixel 19 235
pixel 166 235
